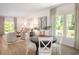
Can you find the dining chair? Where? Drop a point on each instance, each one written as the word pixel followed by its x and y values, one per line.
pixel 11 37
pixel 56 47
pixel 45 46
pixel 31 47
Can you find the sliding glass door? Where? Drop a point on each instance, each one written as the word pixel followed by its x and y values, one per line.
pixel 65 27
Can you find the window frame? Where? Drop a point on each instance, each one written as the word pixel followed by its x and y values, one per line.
pixel 65 27
pixel 9 19
pixel 56 24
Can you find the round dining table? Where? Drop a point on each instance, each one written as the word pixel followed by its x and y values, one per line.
pixel 35 40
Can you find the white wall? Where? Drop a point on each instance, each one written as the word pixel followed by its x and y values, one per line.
pixel 41 13
pixel 20 22
pixel 66 8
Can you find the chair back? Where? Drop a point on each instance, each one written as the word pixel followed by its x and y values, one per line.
pixel 11 37
pixel 58 40
pixel 45 45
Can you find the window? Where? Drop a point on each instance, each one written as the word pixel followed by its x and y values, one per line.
pixel 59 25
pixel 70 26
pixel 9 25
pixel 65 26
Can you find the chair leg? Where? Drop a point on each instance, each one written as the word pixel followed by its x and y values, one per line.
pixel 56 50
pixel 59 51
pixel 37 51
pixel 52 51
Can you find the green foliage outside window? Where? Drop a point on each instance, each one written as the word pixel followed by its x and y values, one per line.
pixel 59 25
pixel 8 26
pixel 70 26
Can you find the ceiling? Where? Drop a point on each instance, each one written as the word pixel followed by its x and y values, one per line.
pixel 22 9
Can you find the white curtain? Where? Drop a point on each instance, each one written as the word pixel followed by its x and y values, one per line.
pixel 53 17
pixel 77 27
pixel 65 9
pixel 15 24
pixel 1 25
